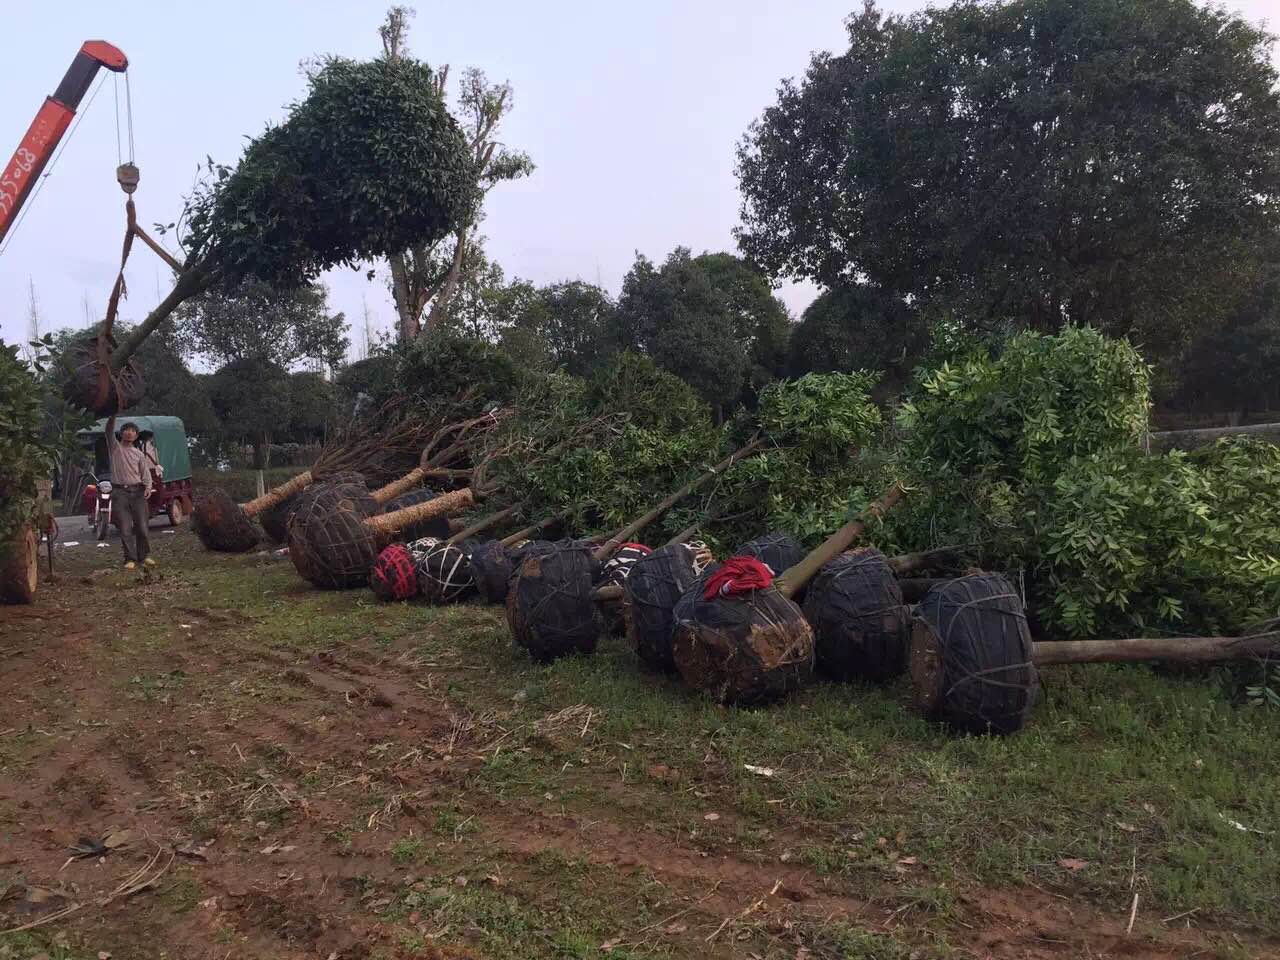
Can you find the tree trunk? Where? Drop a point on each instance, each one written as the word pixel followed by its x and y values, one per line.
pixel 408 318
pixel 1189 439
pixel 1175 649
pixel 447 289
pixel 794 579
pixel 189 284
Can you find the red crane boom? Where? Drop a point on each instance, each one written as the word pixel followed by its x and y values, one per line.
pixel 51 122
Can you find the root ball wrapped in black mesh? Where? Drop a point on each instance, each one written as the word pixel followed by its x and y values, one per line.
pixel 778 551
pixel 748 649
pixel 328 540
pixel 653 588
pixel 854 605
pixel 275 520
pixel 434 527
pixel 550 606
pixel 614 573
pixel 444 574
pixel 971 656
pixel 220 523
pixel 491 570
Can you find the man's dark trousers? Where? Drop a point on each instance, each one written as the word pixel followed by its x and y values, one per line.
pixel 129 504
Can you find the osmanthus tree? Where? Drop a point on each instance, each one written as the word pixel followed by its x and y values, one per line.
pixel 370 162
pixel 1109 162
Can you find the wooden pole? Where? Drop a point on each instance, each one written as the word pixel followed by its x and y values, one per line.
pixel 1188 439
pixel 799 574
pixel 1174 649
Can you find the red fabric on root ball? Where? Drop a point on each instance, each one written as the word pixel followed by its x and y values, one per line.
pixel 393 576
pixel 737 575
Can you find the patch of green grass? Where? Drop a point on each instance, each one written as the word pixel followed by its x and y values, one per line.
pixel 1137 772
pixel 406 850
pixel 181 894
pixel 21 946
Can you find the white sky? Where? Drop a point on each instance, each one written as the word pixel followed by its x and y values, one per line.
pixel 631 114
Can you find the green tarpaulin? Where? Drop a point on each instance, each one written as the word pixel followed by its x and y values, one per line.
pixel 168 434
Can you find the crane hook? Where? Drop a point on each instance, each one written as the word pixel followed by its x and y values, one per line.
pixel 127 175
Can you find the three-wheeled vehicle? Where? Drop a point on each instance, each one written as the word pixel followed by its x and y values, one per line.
pixel 164 440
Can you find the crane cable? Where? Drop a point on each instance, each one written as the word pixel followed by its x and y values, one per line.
pixel 48 172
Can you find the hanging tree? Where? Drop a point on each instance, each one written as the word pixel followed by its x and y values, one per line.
pixel 369 163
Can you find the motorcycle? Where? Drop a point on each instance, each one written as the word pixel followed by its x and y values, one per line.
pixel 101 519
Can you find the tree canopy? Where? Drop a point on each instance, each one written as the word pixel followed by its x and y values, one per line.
pixel 252 320
pixel 1111 162
pixel 858 327
pixel 369 163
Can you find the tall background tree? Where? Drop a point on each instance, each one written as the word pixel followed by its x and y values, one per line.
pixel 1111 162
pixel 675 316
pixel 254 334
pixel 425 276
pixel 859 327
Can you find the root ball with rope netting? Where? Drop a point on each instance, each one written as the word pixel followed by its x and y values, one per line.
pixel 971 656
pixel 394 575
pixel 777 551
pixel 653 588
pixel 550 606
pixel 854 605
pixel 614 573
pixel 752 648
pixel 444 573
pixel 329 543
pixel 275 520
pixel 491 570
pixel 221 524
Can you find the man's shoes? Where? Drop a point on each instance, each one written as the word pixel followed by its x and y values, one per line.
pixel 149 562
pixel 130 565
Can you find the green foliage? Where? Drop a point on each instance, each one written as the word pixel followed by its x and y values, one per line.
pixel 654 433
pixel 675 315
pixel 368 164
pixel 252 400
pixel 1111 162
pixel 26 455
pixel 759 318
pixel 1124 541
pixel 251 320
pixel 1018 417
pixel 819 471
pixel 855 326
pixel 444 366
pixel 1037 455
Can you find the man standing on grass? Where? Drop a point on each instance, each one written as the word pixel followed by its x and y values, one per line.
pixel 130 491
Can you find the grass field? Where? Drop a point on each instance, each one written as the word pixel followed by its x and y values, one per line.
pixel 394 780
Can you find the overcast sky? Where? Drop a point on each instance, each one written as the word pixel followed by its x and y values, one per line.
pixel 631 113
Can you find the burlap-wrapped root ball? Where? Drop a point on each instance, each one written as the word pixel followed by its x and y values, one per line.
pixel 394 576
pixel 81 387
pixel 220 523
pixel 437 527
pixel 329 543
pixel 854 605
pixel 971 656
pixel 550 606
pixel 749 649
pixel 444 573
pixel 654 587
